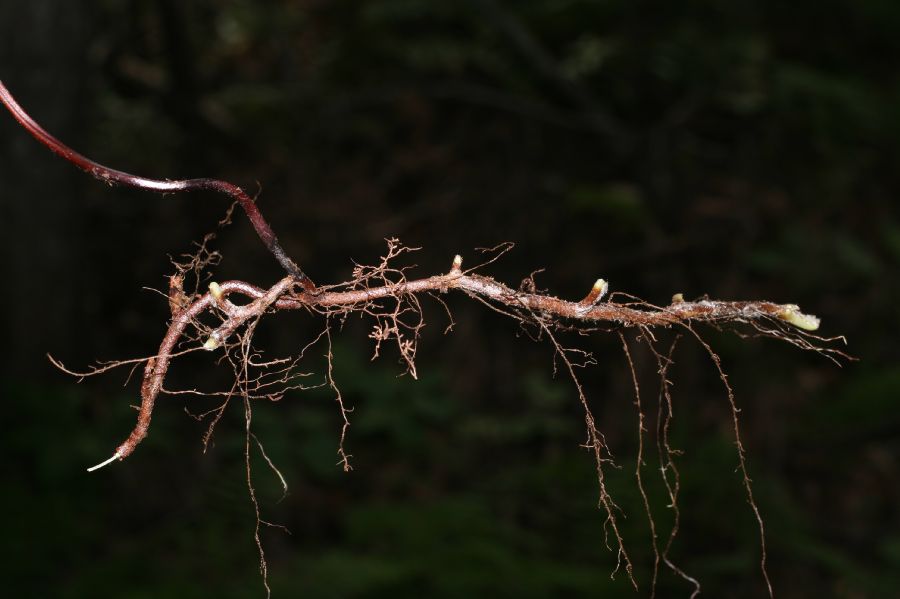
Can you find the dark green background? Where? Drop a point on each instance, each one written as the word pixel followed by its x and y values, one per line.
pixel 745 150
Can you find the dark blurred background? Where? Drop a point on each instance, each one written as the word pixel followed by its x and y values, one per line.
pixel 745 150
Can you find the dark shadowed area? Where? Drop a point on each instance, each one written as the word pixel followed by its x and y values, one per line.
pixel 740 150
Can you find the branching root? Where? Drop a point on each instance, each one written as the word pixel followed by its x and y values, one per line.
pixel 387 296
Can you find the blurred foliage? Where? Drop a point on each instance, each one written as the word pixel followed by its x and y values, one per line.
pixel 736 149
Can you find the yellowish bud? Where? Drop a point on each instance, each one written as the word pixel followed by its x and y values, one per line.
pixel 791 313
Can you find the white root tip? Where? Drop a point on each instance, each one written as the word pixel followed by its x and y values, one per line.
pixel 791 313
pixel 211 344
pixel 457 262
pixel 216 291
pixel 114 457
pixel 678 298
